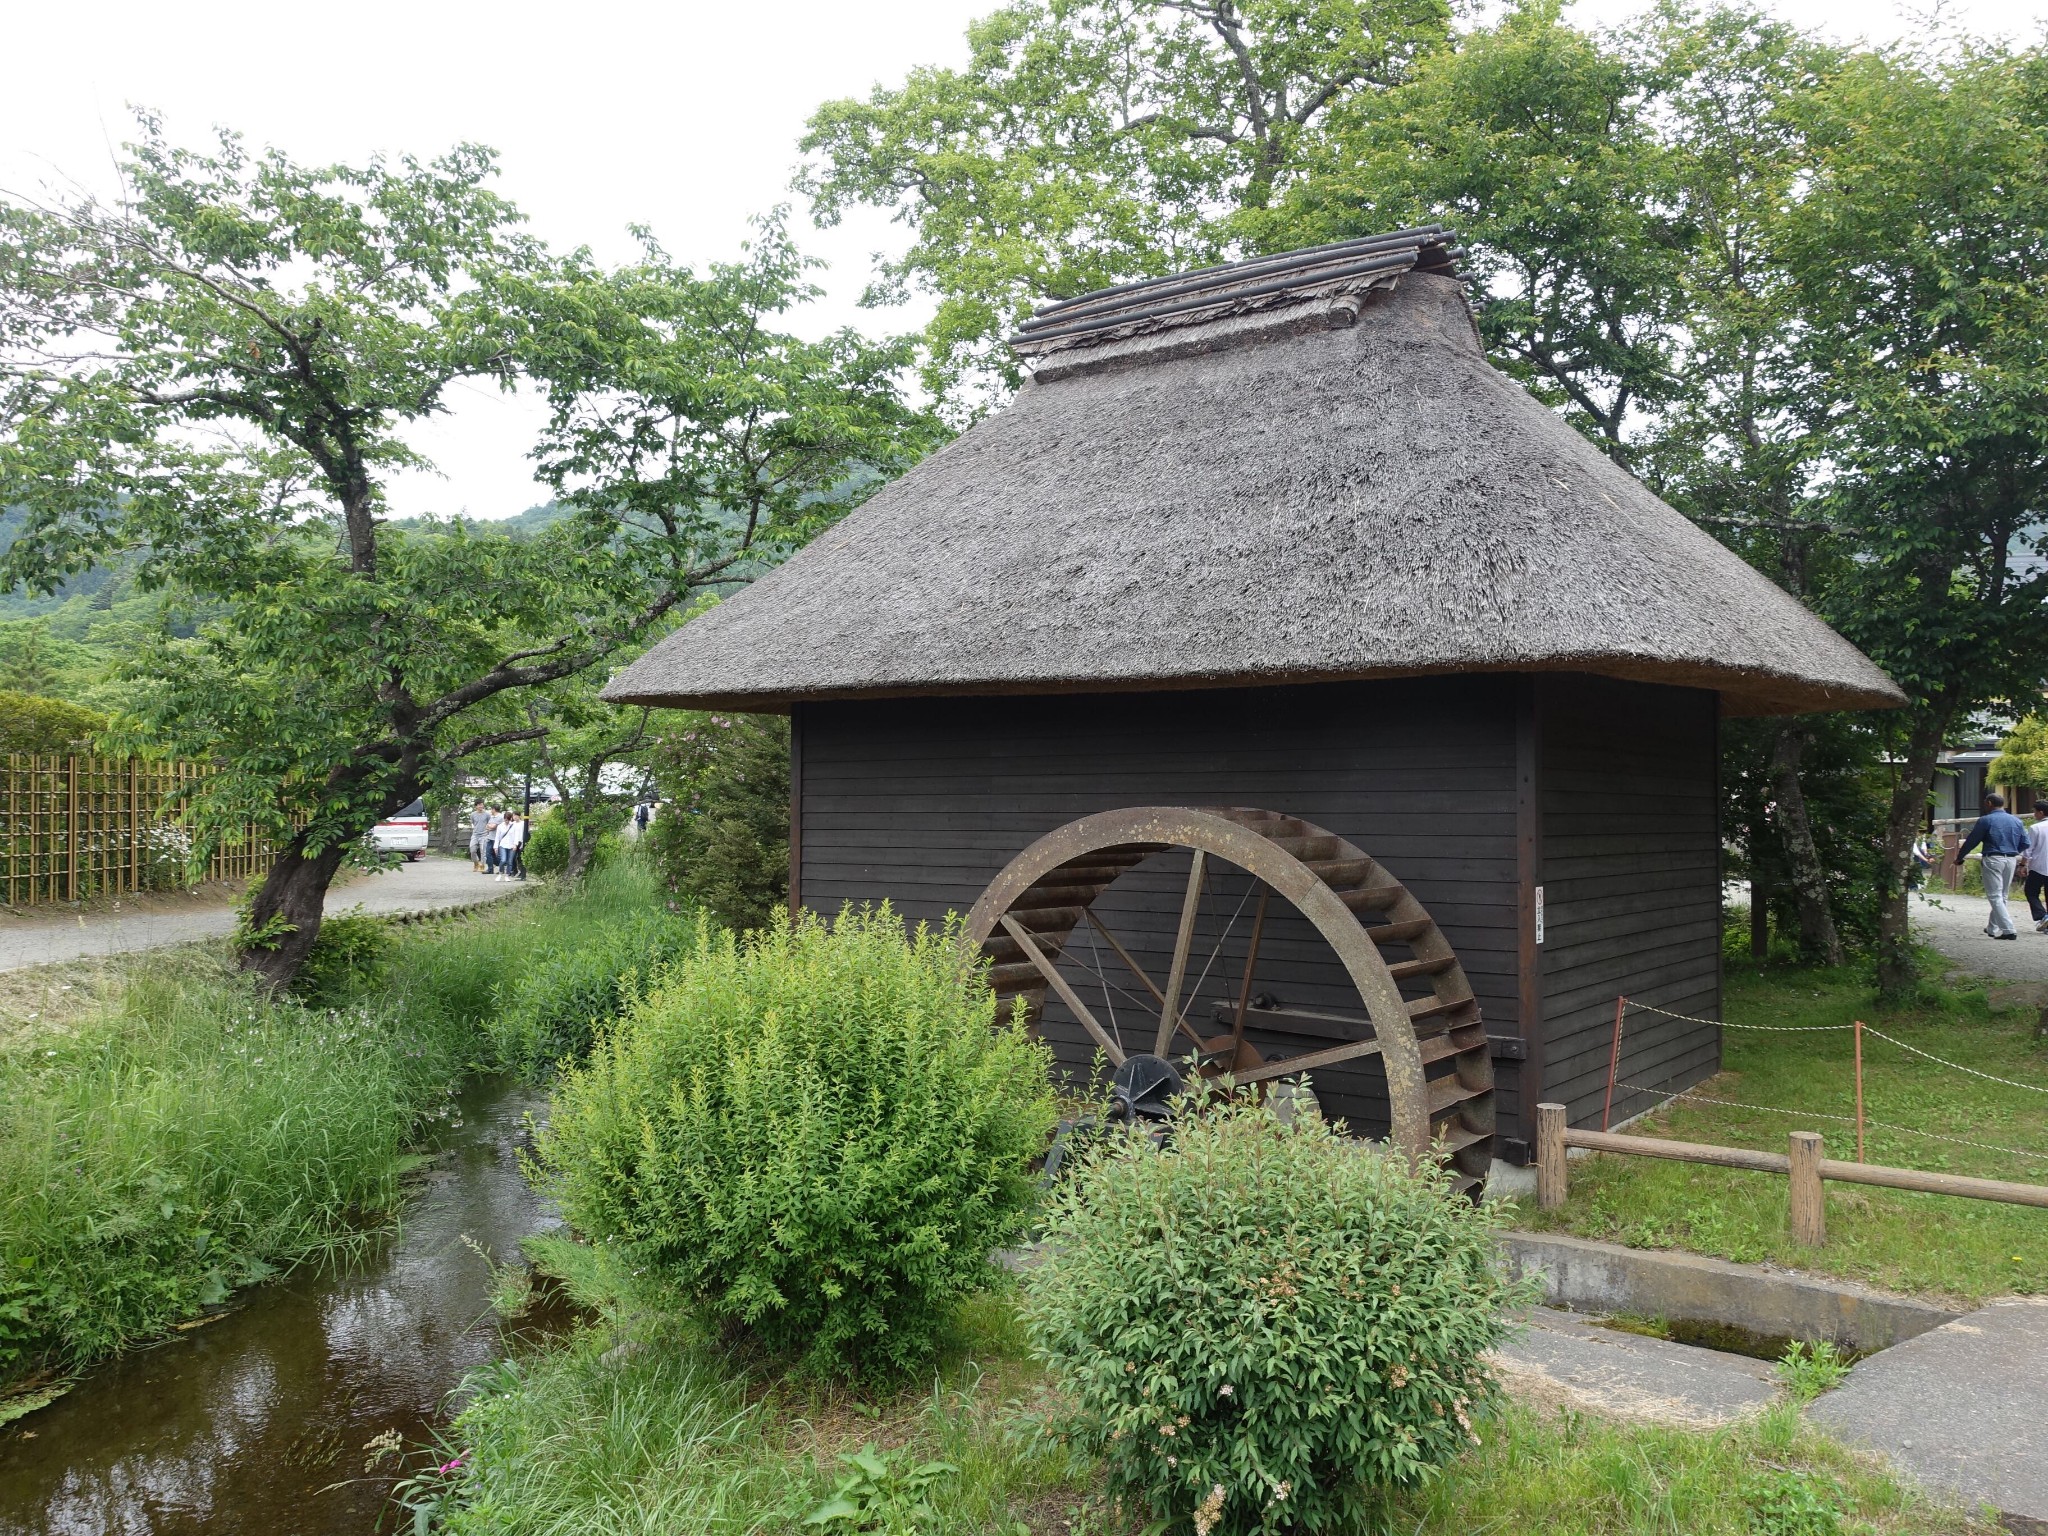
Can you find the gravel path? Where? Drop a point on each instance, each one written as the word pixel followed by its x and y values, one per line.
pixel 1953 922
pixel 433 882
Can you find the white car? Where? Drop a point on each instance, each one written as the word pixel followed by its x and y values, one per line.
pixel 404 832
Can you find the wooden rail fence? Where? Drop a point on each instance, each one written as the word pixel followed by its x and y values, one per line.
pixel 77 827
pixel 1803 1162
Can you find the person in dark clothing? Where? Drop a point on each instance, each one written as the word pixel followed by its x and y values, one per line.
pixel 2003 836
pixel 2037 866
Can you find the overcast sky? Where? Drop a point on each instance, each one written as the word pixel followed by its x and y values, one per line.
pixel 683 116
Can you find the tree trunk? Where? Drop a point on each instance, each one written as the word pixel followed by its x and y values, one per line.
pixel 1817 934
pixel 1759 921
pixel 294 890
pixel 1898 970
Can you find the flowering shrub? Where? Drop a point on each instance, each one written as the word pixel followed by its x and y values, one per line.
pixel 1263 1324
pixel 819 1133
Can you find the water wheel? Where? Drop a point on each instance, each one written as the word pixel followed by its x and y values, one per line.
pixel 1416 1017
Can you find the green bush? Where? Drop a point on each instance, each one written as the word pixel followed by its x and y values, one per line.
pixel 547 850
pixel 819 1134
pixel 721 837
pixel 550 1008
pixel 351 949
pixel 1266 1326
pixel 31 723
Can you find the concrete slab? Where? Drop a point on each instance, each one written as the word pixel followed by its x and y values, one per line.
pixel 1559 1358
pixel 1964 1408
pixel 1588 1276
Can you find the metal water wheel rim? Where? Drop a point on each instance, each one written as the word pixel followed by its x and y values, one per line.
pixel 1038 900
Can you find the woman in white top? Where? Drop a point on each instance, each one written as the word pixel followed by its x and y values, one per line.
pixel 510 836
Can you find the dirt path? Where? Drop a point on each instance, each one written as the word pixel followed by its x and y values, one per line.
pixel 432 883
pixel 1953 922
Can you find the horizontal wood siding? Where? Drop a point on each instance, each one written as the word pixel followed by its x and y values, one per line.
pixel 922 801
pixel 1631 871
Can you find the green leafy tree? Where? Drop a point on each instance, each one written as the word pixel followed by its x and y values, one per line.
pixel 1086 143
pixel 2022 760
pixel 38 725
pixel 218 373
pixel 1539 146
pixel 721 838
pixel 1739 442
pixel 1918 252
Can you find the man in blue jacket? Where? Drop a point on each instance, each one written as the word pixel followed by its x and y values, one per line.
pixel 2004 838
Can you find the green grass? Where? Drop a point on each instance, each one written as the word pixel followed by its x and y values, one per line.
pixel 671 1435
pixel 1965 1250
pixel 169 1135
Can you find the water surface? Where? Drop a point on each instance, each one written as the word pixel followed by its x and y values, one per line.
pixel 261 1422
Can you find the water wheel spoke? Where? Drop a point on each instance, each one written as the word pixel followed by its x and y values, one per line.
pixel 1058 983
pixel 1314 1059
pixel 1190 907
pixel 1124 955
pixel 1251 960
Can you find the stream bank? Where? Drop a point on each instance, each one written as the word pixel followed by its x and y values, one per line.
pixel 261 1421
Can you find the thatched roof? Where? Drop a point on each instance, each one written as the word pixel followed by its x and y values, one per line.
pixel 1285 471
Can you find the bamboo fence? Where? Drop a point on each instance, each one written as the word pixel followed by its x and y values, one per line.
pixel 78 827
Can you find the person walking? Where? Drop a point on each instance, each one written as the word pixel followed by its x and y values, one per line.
pixel 479 831
pixel 511 837
pixel 493 825
pixel 2004 838
pixel 2037 866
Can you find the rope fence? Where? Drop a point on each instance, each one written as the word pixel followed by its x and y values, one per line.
pixel 80 827
pixel 1623 1006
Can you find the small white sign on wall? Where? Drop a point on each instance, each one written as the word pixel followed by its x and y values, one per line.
pixel 1539 914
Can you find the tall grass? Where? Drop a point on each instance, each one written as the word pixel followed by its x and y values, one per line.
pixel 193 1139
pixel 183 1135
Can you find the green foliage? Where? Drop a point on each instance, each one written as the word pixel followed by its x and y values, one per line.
pixel 817 1133
pixel 352 950
pixel 882 1491
pixel 1536 143
pixel 1087 143
pixel 32 724
pixel 547 850
pixel 721 838
pixel 2022 756
pixel 1808 1370
pixel 1264 1326
pixel 559 996
pixel 1783 1503
pixel 265 338
pixel 195 1139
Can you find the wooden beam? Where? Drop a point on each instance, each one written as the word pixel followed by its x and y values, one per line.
pixel 1808 1214
pixel 1190 906
pixel 1251 959
pixel 1550 1158
pixel 1308 1063
pixel 1018 932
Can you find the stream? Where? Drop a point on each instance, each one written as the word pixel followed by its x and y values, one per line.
pixel 260 1421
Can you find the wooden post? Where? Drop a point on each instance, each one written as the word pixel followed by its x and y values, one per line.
pixel 71 832
pixel 1859 1090
pixel 1550 1170
pixel 1809 1213
pixel 1613 1064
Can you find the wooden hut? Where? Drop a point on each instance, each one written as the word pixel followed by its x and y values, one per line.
pixel 1276 535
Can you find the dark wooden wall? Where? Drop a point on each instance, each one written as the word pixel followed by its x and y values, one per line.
pixel 1470 789
pixel 923 801
pixel 1631 870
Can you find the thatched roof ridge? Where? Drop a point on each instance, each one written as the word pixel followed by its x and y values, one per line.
pixel 1260 492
